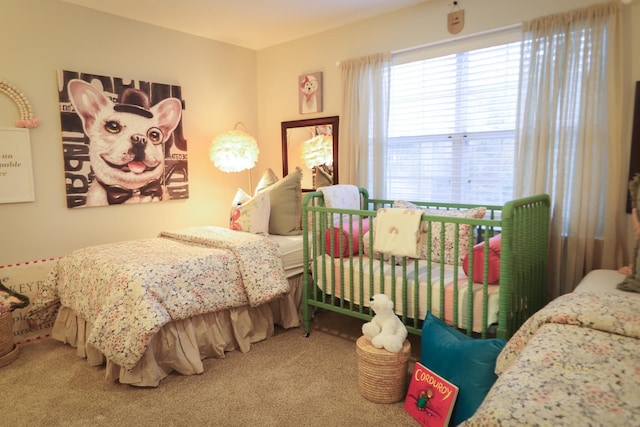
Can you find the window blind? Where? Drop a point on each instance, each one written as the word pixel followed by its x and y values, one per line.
pixel 452 126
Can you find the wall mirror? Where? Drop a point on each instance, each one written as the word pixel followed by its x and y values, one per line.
pixel 312 145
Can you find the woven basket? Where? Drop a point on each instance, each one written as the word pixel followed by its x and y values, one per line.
pixel 382 375
pixel 6 333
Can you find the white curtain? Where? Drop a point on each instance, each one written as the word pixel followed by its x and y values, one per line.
pixel 569 137
pixel 363 141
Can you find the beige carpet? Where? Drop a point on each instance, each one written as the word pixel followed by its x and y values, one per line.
pixel 287 380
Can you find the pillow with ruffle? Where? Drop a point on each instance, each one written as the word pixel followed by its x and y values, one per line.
pixel 250 214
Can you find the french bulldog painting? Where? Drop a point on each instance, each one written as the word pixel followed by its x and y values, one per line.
pixel 127 142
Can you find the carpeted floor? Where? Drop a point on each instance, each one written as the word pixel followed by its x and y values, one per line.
pixel 287 380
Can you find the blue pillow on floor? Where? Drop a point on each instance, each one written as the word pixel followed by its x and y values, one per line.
pixel 467 362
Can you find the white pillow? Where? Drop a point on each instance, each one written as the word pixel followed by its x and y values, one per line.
pixel 250 214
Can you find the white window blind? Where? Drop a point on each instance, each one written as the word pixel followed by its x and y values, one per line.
pixel 452 125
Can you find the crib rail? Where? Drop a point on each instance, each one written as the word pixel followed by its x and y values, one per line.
pixel 344 281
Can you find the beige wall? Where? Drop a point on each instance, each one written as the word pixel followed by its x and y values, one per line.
pixel 221 84
pixel 38 37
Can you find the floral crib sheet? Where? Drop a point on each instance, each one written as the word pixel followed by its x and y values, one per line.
pixel 575 362
pixel 128 290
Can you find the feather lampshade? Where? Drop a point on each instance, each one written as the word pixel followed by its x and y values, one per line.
pixel 317 151
pixel 234 151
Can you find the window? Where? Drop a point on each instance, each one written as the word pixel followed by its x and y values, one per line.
pixel 452 121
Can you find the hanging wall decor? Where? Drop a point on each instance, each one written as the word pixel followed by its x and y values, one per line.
pixel 310 93
pixel 16 172
pixel 455 19
pixel 122 140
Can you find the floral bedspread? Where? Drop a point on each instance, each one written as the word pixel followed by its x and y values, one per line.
pixel 128 290
pixel 575 362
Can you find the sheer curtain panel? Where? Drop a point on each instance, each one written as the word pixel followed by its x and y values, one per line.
pixel 363 140
pixel 568 137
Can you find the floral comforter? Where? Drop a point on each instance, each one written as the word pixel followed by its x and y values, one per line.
pixel 128 290
pixel 575 362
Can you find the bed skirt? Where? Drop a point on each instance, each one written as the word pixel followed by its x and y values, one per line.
pixel 181 345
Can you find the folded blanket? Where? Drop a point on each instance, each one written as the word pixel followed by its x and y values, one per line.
pixel 258 259
pixel 341 196
pixel 398 232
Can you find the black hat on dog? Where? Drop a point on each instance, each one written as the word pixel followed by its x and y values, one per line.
pixel 134 101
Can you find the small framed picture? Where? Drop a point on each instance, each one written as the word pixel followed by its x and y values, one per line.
pixel 16 174
pixel 310 93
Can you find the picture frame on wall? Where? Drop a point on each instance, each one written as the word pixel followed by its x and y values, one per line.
pixel 150 163
pixel 310 93
pixel 16 170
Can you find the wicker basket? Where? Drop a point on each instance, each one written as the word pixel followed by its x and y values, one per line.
pixel 382 375
pixel 8 350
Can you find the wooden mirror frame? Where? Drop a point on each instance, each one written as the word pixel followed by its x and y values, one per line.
pixel 285 126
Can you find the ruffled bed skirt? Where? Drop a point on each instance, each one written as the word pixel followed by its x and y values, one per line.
pixel 181 345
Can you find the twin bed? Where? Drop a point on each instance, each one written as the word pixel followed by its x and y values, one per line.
pixel 148 307
pixel 575 362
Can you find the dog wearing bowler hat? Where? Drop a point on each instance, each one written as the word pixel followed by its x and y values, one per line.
pixel 127 140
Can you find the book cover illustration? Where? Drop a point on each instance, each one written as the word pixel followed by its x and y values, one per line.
pixel 430 397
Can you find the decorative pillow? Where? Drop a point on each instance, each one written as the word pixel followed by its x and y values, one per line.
pixel 449 244
pixel 449 232
pixel 286 202
pixel 467 362
pixel 350 232
pixel 250 214
pixel 268 179
pixel 478 261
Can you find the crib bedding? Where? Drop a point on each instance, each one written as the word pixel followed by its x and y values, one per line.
pixel 340 275
pixel 446 234
pixel 575 362
pixel 132 303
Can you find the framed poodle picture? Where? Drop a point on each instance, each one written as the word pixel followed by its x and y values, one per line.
pixel 122 140
pixel 310 93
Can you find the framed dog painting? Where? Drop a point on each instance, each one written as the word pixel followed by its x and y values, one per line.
pixel 122 140
pixel 310 93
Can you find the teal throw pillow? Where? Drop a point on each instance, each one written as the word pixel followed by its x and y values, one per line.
pixel 467 362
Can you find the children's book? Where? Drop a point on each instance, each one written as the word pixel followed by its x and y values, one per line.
pixel 430 398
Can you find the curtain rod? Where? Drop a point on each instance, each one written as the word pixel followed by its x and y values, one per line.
pixel 452 39
pixel 455 39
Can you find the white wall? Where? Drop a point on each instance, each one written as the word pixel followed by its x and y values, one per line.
pixel 38 37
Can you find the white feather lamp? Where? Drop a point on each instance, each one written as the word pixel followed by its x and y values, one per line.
pixel 234 151
pixel 317 151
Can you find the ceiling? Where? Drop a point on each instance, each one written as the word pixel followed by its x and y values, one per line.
pixel 254 24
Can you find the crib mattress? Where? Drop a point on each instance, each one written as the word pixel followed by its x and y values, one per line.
pixel 441 278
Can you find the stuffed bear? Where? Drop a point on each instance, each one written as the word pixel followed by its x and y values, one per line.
pixel 385 329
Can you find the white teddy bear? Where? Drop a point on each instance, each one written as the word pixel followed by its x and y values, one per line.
pixel 385 329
